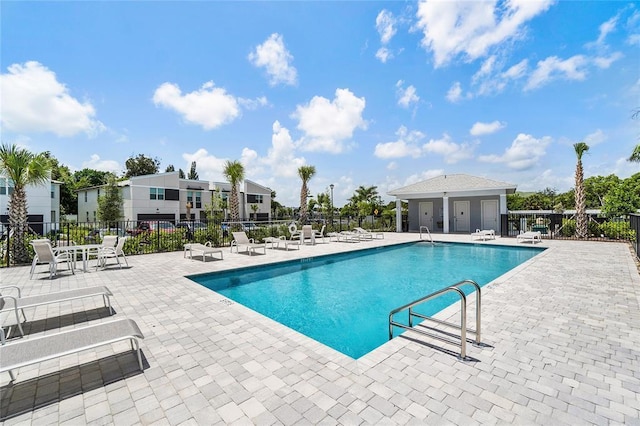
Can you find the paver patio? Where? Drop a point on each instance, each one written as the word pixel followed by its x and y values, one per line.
pixel 563 331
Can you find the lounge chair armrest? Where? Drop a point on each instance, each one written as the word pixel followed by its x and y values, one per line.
pixel 11 286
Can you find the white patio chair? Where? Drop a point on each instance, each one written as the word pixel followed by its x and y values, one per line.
pixel 46 255
pixel 240 239
pixel 112 252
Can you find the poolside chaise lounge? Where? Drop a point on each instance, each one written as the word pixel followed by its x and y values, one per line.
pixel 276 241
pixel 19 303
pixel 344 236
pixel 368 234
pixel 532 236
pixel 34 350
pixel 204 249
pixel 240 239
pixel 484 234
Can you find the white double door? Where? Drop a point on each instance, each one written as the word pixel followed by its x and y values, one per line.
pixel 426 214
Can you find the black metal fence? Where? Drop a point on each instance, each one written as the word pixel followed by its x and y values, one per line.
pixel 563 226
pixel 155 236
pixel 634 224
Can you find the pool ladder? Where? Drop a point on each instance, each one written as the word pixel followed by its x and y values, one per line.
pixel 455 288
pixel 428 233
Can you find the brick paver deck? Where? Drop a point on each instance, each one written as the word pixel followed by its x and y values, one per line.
pixel 563 336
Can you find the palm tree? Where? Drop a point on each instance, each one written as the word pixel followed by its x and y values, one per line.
pixel 635 155
pixel 234 172
pixel 581 216
pixel 305 173
pixel 23 168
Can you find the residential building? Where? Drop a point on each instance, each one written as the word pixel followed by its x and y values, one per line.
pixel 43 204
pixel 454 203
pixel 164 196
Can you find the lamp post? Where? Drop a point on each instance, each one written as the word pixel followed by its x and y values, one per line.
pixel 331 186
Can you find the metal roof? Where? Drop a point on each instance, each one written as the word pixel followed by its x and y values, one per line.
pixel 454 183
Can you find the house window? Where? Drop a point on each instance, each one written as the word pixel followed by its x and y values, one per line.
pixel 53 193
pixel 94 215
pixel 85 196
pixel 254 198
pixel 156 193
pixel 53 216
pixel 190 197
pixel 3 186
pixel 98 192
pixel 87 216
pixel 198 200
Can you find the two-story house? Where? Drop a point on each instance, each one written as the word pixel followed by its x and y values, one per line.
pixel 43 204
pixel 164 196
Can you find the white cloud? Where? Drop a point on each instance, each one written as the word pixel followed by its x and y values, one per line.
pixel 451 151
pixel 606 28
pixel 524 153
pixel 276 59
pixel 605 62
pixel 96 163
pixel 455 93
pixel 251 104
pixel 419 177
pixel 479 128
pixel 553 68
pixel 209 167
pixel 383 54
pixel 405 146
pixel 471 28
pixel 328 125
pixel 516 71
pixel 385 25
pixel 392 165
pixel 209 107
pixel 407 96
pixel 281 155
pixel 34 101
pixel 595 138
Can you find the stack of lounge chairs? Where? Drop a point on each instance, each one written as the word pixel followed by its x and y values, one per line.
pixel 20 352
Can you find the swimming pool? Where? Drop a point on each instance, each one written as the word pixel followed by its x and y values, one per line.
pixel 343 300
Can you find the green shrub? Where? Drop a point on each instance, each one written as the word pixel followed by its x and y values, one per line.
pixel 617 230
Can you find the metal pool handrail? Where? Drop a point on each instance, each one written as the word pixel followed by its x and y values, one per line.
pixel 428 233
pixel 463 316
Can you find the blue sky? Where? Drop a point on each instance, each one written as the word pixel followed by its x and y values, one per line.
pixel 370 93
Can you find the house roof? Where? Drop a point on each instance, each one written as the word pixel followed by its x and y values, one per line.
pixel 456 183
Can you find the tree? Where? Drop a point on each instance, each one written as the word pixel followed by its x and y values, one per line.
pixel 305 173
pixel 596 189
pixel 254 209
pixel 86 178
pixel 180 174
pixel 23 168
pixel 141 165
pixel 581 215
pixel 170 168
pixel 110 204
pixel 234 172
pixel 621 201
pixel 68 194
pixel 193 175
pixel 635 155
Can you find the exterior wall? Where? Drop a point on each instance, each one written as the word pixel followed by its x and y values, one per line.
pixel 137 202
pixel 39 199
pixel 475 212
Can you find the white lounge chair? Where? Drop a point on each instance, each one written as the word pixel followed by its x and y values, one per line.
pixel 240 239
pixel 112 252
pixel 46 255
pixel 204 249
pixel 19 303
pixel 276 241
pixel 320 233
pixel 344 236
pixel 368 234
pixel 34 350
pixel 533 236
pixel 484 234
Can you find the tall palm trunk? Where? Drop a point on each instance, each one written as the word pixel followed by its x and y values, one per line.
pixel 18 225
pixel 581 215
pixel 235 207
pixel 303 203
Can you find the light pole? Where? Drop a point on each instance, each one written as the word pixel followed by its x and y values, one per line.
pixel 331 186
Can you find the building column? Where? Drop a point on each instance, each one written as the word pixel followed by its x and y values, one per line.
pixel 445 214
pixel 503 203
pixel 398 215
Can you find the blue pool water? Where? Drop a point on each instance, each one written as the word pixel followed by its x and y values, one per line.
pixel 344 300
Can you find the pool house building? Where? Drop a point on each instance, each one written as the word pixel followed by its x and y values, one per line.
pixel 456 203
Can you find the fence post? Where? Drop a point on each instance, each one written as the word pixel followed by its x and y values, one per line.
pixel 8 256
